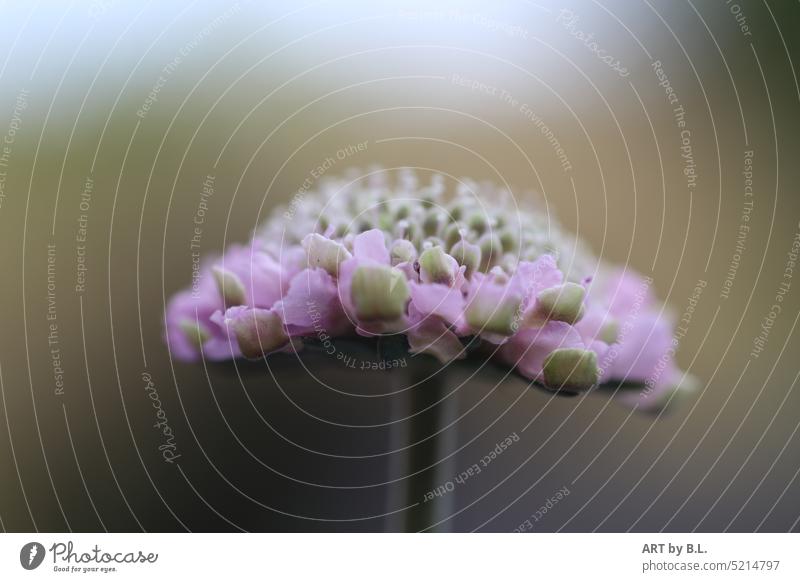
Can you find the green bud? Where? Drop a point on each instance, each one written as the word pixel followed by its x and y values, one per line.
pixel 467 255
pixel 430 224
pixel 408 230
pixel 259 332
pixel 347 241
pixel 435 266
pixel 491 250
pixel 609 333
pixel 428 199
pixel 560 303
pixel 452 234
pixel 385 221
pixel 571 370
pixel 456 211
pixel 195 333
pixel 403 251
pixel 478 222
pixel 432 195
pixel 509 240
pixel 490 317
pixel 379 293
pixel 402 211
pixel 325 253
pixel 364 224
pixel 231 288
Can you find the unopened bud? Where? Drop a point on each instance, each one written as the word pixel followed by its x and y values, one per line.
pixel 379 293
pixel 258 331
pixel 560 303
pixel 430 225
pixel 491 250
pixel 408 230
pixel 403 251
pixel 609 333
pixel 402 211
pixel 571 370
pixel 468 255
pixel 451 235
pixel 478 222
pixel 509 240
pixel 231 288
pixel 493 311
pixel 437 267
pixel 325 253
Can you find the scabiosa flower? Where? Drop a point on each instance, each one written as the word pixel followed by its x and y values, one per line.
pixel 370 258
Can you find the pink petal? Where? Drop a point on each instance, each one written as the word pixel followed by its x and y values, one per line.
pixel 371 245
pixel 312 303
pixel 437 299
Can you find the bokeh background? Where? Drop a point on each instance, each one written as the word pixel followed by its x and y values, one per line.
pixel 114 115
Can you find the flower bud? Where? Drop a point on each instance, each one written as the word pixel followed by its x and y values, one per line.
pixel 478 222
pixel 609 333
pixel 493 310
pixel 403 251
pixel 451 235
pixel 325 253
pixel 456 209
pixel 231 288
pixel 196 334
pixel 571 370
pixel 491 250
pixel 379 293
pixel 468 255
pixel 509 240
pixel 408 230
pixel 402 211
pixel 560 303
pixel 258 331
pixel 437 267
pixel 430 225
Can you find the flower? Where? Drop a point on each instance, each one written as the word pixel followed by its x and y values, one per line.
pixel 258 332
pixel 370 258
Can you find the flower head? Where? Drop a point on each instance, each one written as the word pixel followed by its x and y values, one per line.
pixel 369 257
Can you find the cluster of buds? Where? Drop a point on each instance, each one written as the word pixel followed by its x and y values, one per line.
pixel 451 272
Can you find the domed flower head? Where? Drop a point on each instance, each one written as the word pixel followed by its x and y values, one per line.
pixel 445 270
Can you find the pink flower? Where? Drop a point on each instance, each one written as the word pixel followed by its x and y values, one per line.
pixel 261 277
pixel 369 259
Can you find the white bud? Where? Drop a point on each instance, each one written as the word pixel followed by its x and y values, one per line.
pixel 324 253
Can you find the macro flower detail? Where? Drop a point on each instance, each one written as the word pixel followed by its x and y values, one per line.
pixel 371 258
pixel 258 332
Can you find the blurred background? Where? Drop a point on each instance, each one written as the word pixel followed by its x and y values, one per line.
pixel 663 133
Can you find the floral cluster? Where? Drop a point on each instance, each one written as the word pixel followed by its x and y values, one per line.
pixel 451 273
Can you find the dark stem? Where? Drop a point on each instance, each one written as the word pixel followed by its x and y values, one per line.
pixel 420 464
